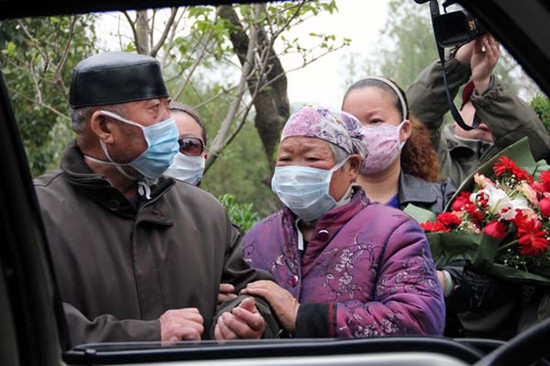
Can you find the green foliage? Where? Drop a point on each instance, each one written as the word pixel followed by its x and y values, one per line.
pixel 37 77
pixel 541 105
pixel 243 170
pixel 241 214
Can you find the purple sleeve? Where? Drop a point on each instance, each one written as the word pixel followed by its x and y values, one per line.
pixel 408 298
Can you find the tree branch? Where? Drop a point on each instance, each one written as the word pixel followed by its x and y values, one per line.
pixel 217 145
pixel 155 49
pixel 170 40
pixel 132 26
pixel 58 79
pixel 196 64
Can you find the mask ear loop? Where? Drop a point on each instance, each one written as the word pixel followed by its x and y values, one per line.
pixel 401 144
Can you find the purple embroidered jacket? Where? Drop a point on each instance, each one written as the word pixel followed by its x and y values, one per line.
pixel 366 272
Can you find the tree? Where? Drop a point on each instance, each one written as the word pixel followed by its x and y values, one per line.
pixel 212 39
pixel 37 64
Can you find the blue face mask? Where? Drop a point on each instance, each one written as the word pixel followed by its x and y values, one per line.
pixel 187 168
pixel 162 146
pixel 305 190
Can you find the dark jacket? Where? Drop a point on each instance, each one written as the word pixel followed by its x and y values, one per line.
pixel 120 267
pixel 427 195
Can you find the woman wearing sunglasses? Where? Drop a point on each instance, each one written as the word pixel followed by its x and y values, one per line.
pixel 188 164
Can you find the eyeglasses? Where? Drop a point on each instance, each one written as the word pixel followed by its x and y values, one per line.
pixel 191 146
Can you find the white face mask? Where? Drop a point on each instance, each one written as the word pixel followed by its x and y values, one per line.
pixel 305 190
pixel 187 168
pixel 384 144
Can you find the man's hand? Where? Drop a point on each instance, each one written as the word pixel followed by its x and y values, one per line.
pixel 484 59
pixel 464 53
pixel 282 301
pixel 244 322
pixel 181 324
pixel 227 292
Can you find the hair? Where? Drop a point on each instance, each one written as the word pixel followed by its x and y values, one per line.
pixel 183 108
pixel 81 116
pixel 338 153
pixel 418 156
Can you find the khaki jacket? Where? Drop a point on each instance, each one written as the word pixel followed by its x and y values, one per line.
pixel 508 117
pixel 120 267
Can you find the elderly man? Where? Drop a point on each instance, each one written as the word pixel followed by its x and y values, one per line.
pixel 505 117
pixel 138 256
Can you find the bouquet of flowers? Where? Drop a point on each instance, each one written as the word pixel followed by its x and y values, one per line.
pixel 499 219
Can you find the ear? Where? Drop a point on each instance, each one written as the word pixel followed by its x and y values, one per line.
pixel 354 162
pixel 101 127
pixel 406 130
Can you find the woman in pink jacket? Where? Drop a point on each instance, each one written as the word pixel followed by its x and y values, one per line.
pixel 345 267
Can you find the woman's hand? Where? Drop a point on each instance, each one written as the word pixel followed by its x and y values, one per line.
pixel 283 303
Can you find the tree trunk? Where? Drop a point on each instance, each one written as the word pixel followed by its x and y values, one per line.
pixel 271 103
pixel 142 33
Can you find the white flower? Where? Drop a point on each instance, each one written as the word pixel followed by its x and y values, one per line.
pixel 499 203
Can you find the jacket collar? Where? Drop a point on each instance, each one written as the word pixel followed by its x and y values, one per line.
pixel 97 188
pixel 415 190
pixel 460 147
pixel 337 216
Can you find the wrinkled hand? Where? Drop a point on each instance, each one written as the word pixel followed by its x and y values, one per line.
pixel 484 59
pixel 181 324
pixel 282 301
pixel 244 321
pixel 227 292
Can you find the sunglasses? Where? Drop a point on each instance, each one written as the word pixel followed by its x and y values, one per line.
pixel 191 146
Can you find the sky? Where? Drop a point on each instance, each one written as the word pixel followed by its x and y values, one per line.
pixel 323 82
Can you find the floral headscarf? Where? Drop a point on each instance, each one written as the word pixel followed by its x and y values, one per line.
pixel 337 127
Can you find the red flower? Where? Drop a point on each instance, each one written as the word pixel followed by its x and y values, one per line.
pixel 544 179
pixel 496 229
pixel 504 165
pixel 545 206
pixel 532 238
pixel 474 212
pixel 522 174
pixel 435 227
pixel 449 219
pixel 521 219
pixel 459 202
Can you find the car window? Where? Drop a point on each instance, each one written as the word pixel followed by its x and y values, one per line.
pixel 306 53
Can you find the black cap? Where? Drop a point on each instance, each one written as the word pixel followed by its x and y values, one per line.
pixel 116 77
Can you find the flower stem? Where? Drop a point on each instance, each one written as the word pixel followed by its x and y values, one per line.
pixel 505 246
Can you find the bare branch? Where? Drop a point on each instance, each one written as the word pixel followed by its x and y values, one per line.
pixel 132 26
pixel 171 38
pixel 218 144
pixel 58 79
pixel 155 49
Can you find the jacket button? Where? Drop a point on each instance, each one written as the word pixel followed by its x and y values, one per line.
pixel 113 205
pixel 323 235
pixel 293 281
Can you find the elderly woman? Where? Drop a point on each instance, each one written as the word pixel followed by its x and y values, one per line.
pixel 346 267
